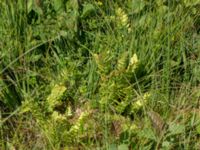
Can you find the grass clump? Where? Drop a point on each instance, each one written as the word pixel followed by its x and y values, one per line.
pixel 99 74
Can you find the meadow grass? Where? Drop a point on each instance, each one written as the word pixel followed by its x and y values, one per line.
pixel 99 74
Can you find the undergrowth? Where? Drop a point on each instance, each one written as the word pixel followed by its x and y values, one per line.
pixel 99 74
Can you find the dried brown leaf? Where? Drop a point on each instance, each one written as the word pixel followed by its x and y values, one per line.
pixel 116 128
pixel 157 122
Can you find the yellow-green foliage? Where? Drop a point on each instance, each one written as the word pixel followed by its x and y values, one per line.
pixel 141 102
pixel 55 97
pixel 119 93
pixel 121 19
pixel 133 63
pixel 122 61
pixel 82 74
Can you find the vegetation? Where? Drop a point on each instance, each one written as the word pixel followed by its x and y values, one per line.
pixel 99 74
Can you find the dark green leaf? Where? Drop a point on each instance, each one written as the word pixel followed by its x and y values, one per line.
pixel 87 10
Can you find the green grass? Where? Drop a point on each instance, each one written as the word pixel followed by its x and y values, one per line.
pixel 99 74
